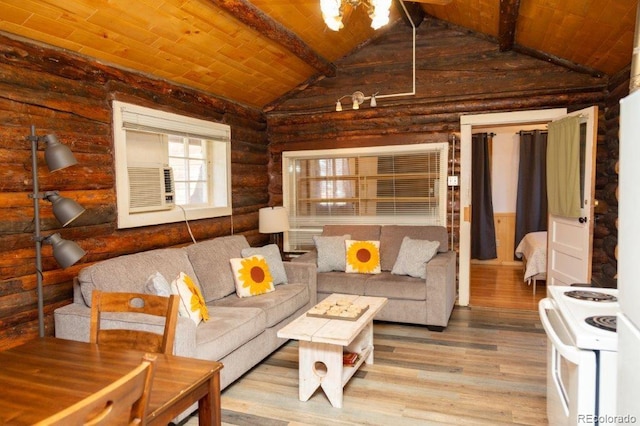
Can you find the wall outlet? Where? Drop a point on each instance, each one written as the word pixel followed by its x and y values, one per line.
pixel 452 180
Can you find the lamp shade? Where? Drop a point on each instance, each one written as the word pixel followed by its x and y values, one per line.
pixel 65 252
pixel 57 155
pixel 273 220
pixel 65 209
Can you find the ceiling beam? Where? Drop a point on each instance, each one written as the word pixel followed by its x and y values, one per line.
pixel 508 20
pixel 254 18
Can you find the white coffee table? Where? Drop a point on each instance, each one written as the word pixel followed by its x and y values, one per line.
pixel 321 345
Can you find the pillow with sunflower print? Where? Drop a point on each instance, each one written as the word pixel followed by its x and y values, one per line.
pixel 252 276
pixel 192 303
pixel 362 257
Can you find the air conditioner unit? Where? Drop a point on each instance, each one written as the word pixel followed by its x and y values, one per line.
pixel 150 188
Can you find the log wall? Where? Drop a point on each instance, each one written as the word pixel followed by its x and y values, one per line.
pixel 71 96
pixel 457 73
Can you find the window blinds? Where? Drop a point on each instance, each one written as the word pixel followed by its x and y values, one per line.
pixel 390 186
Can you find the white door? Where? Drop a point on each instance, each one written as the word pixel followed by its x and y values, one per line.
pixel 570 240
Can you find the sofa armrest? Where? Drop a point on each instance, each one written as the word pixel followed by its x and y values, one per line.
pixel 303 273
pixel 441 288
pixel 72 322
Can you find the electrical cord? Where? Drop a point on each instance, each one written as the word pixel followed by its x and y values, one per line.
pixel 187 222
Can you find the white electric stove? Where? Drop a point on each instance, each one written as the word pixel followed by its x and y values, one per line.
pixel 580 323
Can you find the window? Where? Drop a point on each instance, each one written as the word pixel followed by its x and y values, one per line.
pixel 169 167
pixel 379 185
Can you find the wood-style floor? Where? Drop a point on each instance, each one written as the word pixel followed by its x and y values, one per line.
pixel 487 368
pixel 503 287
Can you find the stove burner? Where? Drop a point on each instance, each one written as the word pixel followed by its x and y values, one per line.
pixel 592 296
pixel 605 322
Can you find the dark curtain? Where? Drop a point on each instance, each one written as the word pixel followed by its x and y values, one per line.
pixel 483 232
pixel 531 201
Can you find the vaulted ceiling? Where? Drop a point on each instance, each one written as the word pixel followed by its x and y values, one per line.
pixel 256 51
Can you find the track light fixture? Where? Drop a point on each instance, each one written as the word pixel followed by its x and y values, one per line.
pixel 66 253
pixel 357 99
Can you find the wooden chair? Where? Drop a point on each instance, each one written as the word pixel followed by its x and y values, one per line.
pixel 147 341
pixel 124 401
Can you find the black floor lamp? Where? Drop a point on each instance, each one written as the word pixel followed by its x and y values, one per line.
pixel 65 210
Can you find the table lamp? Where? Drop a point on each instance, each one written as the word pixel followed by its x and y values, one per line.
pixel 274 221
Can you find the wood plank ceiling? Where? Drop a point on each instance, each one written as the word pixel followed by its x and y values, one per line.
pixel 255 52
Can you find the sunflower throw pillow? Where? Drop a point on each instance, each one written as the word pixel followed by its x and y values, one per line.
pixel 362 257
pixel 192 303
pixel 252 276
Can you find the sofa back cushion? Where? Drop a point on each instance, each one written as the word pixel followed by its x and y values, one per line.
pixel 391 239
pixel 357 232
pixel 210 260
pixel 130 273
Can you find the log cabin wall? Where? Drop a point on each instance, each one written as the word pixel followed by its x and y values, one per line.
pixel 605 238
pixel 457 72
pixel 71 96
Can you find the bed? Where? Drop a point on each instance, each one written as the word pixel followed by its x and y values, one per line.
pixel 533 252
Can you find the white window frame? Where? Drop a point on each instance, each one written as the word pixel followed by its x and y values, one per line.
pixel 309 226
pixel 218 169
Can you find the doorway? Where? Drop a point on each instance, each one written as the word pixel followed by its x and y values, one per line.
pixel 468 125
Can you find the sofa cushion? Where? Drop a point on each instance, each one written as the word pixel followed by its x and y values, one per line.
pixel 339 282
pixel 271 253
pixel 192 303
pixel 413 256
pixel 395 287
pixel 251 275
pixel 210 260
pixel 227 330
pixel 277 305
pixel 331 252
pixel 391 239
pixel 362 257
pixel 129 273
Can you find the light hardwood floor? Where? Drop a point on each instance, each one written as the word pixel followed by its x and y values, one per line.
pixel 503 287
pixel 487 368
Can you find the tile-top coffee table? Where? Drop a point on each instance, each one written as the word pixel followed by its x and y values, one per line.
pixel 322 342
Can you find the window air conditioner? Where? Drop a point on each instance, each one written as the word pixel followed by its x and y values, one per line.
pixel 150 188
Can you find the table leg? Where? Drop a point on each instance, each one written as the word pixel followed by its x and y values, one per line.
pixel 209 406
pixel 320 365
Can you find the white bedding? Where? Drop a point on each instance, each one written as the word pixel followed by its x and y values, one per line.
pixel 534 249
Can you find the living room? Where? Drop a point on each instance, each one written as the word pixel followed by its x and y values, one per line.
pixel 68 89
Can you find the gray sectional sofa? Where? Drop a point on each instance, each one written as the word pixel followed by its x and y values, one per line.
pixel 413 300
pixel 240 331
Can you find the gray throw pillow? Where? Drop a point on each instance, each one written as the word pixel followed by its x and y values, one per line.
pixel 272 256
pixel 157 284
pixel 331 252
pixel 413 256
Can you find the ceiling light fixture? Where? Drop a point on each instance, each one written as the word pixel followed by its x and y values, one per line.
pixel 333 11
pixel 358 98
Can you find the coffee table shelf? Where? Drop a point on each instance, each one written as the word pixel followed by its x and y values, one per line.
pixel 322 343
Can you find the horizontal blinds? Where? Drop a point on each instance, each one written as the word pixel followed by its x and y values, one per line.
pixel 376 188
pixel 135 118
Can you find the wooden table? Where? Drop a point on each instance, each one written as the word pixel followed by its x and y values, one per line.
pixel 322 343
pixel 43 376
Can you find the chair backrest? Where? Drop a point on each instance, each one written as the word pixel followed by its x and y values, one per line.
pixel 124 401
pixel 148 341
